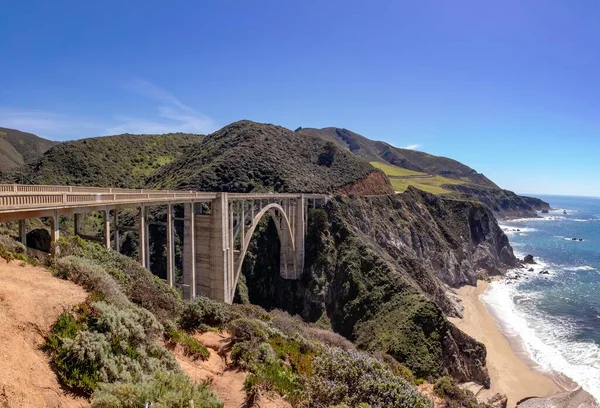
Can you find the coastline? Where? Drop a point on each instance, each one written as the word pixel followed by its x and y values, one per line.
pixel 511 371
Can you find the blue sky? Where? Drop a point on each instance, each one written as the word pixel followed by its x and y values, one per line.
pixel 510 87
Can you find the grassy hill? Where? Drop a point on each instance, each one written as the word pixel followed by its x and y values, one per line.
pixel 18 148
pixel 110 161
pixel 247 156
pixel 374 151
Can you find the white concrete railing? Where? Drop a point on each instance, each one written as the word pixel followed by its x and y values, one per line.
pixel 26 188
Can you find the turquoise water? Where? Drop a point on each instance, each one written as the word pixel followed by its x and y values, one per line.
pixel 556 316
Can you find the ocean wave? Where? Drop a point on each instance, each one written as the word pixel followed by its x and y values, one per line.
pixel 546 341
pixel 509 230
pixel 579 268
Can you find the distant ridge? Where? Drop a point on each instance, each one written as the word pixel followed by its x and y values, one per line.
pixel 18 148
pixel 371 150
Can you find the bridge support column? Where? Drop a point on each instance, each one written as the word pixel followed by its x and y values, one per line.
pixel 221 268
pixel 23 232
pixel 143 232
pixel 299 234
pixel 116 232
pixel 189 251
pixel 77 224
pixel 54 227
pixel 170 243
pixel 107 228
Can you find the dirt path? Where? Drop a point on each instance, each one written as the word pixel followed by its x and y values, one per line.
pixel 30 301
pixel 226 382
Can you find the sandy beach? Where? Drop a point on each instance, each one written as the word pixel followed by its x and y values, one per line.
pixel 511 372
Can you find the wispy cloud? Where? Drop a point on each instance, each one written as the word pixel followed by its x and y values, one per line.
pixel 48 124
pixel 171 114
pixel 412 146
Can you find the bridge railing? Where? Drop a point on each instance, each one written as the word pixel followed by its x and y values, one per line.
pixel 27 188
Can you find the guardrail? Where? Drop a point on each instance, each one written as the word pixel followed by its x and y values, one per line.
pixel 27 188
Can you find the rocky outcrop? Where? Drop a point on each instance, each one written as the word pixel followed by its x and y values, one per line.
pixel 503 203
pixel 529 259
pixel 537 204
pixel 375 183
pixel 39 239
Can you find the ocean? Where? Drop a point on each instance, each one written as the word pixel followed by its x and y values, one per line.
pixel 556 316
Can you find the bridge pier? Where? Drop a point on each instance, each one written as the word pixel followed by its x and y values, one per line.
pixel 116 232
pixel 77 224
pixel 54 227
pixel 23 232
pixel 107 228
pixel 170 246
pixel 189 251
pixel 143 237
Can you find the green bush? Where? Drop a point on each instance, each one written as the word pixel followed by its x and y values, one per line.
pixel 163 389
pixel 136 282
pixel 352 378
pixel 102 343
pixel 456 397
pixel 191 347
pixel 11 249
pixel 91 277
pixel 247 330
pixel 273 377
pixel 203 311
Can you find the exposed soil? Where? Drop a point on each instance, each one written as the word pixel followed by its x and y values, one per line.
pixel 225 381
pixel 31 300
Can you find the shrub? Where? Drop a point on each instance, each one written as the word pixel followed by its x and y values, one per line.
pixel 273 377
pixel 247 330
pixel 136 282
pixel 455 397
pixel 191 347
pixel 91 276
pixel 352 378
pixel 163 389
pixel 11 249
pixel 203 311
pixel 102 343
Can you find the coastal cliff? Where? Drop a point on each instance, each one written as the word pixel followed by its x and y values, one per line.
pixel 379 270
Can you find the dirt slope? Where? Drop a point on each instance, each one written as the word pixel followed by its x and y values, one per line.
pixel 30 301
pixel 226 382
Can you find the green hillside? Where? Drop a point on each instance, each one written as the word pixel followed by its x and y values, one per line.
pixel 247 156
pixel 18 148
pixel 110 161
pixel 374 151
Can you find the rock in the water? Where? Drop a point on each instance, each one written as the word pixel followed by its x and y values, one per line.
pixel 544 273
pixel 529 259
pixel 545 211
pixel 531 270
pixel 39 239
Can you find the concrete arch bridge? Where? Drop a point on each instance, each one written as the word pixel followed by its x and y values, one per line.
pixel 218 227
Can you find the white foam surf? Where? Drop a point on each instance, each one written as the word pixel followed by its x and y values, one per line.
pixel 545 340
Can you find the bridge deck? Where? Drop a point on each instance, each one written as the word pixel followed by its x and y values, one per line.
pixel 19 201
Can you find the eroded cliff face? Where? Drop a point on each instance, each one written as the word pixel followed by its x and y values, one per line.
pixel 375 183
pixel 380 271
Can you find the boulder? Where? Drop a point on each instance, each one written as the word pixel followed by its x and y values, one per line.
pixel 39 239
pixel 498 401
pixel 544 273
pixel 531 270
pixel 529 259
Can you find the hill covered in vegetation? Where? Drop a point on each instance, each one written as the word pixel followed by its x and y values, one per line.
pixel 18 148
pixel 376 151
pixel 433 174
pixel 110 161
pixel 247 156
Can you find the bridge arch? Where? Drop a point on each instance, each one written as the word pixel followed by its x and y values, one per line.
pixel 285 232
